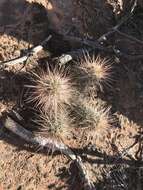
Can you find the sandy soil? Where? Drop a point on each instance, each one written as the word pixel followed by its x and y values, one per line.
pixel 24 167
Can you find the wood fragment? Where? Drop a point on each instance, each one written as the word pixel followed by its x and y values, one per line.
pixel 31 52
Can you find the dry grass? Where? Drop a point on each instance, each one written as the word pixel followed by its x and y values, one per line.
pixel 51 90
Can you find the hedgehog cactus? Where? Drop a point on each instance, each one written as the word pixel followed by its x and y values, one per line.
pixel 56 126
pixel 62 106
pixel 96 71
pixel 90 113
pixel 55 96
pixel 51 90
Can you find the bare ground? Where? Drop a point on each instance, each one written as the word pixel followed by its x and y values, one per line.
pixel 26 23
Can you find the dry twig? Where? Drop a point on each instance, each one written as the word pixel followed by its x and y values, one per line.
pixel 31 52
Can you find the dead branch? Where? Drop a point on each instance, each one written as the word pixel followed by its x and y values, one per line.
pixel 31 52
pixel 122 21
pixel 29 137
pixel 129 57
pixel 94 44
pixel 75 55
pixel 42 141
pixel 129 37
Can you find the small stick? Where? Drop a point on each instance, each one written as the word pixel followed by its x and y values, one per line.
pixel 129 57
pixel 33 51
pixel 87 42
pixel 129 37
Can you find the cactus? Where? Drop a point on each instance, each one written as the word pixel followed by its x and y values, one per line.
pixel 96 71
pixel 54 95
pixel 51 89
pixel 56 126
pixel 90 113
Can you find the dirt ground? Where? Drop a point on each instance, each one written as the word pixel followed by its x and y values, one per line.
pixel 26 23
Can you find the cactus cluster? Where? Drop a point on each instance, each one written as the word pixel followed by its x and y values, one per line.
pixel 95 72
pixel 61 103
